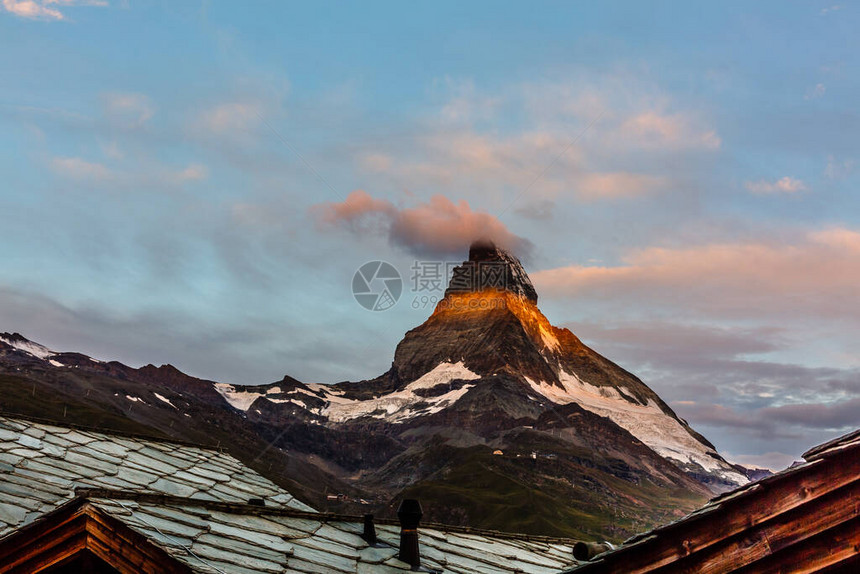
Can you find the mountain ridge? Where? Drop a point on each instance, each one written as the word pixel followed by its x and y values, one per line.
pixel 491 415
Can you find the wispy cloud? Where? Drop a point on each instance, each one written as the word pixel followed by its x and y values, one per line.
pixel 540 210
pixel 46 9
pixel 194 172
pixel 80 169
pixel 815 92
pixel 783 185
pixel 128 109
pixel 618 185
pixel 814 274
pixel 465 104
pixel 230 117
pixel 623 155
pixel 438 227
pixel 839 416
pixel 839 169
pixel 678 130
pixel 729 379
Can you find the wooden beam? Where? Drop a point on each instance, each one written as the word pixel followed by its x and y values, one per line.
pixel 780 532
pixel 734 516
pixel 80 527
pixel 44 544
pixel 126 550
pixel 832 548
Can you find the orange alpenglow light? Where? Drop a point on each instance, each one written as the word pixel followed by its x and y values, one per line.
pixel 535 323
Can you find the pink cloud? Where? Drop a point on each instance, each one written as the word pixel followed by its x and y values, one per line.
pixel 45 9
pixel 668 130
pixel 439 226
pixel 816 274
pixel 32 10
pixel 618 185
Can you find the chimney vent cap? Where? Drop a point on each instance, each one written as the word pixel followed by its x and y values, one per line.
pixel 410 513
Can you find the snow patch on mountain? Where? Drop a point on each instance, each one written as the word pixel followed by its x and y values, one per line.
pixel 241 400
pixel 405 404
pixel 657 430
pixel 164 399
pixel 35 349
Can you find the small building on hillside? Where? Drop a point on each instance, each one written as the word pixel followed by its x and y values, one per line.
pixel 803 519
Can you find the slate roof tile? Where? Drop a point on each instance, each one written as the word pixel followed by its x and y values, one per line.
pixel 41 464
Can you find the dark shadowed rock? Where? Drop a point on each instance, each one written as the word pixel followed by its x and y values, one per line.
pixel 490 267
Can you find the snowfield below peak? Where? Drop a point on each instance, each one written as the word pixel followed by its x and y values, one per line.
pixel 241 400
pixel 662 433
pixel 401 405
pixel 35 349
pixel 395 407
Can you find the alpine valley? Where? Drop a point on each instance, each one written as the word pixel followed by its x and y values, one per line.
pixel 489 415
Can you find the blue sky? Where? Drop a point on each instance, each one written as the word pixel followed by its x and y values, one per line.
pixel 197 184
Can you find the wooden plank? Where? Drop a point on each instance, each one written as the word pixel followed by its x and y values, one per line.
pixel 12 545
pixel 49 542
pixel 64 535
pixel 772 498
pixel 37 560
pixel 782 531
pixel 117 544
pixel 829 549
pixel 127 561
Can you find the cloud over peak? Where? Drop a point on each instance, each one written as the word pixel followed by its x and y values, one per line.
pixel 437 227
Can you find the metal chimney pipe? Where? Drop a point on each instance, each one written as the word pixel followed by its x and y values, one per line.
pixel 369 533
pixel 410 514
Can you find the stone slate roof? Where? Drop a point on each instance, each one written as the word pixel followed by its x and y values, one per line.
pixel 217 538
pixel 41 464
pixel 193 504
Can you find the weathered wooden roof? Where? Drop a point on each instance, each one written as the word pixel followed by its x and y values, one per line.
pixel 41 464
pixel 211 538
pixel 805 518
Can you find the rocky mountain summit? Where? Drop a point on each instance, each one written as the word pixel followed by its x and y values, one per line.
pixel 489 414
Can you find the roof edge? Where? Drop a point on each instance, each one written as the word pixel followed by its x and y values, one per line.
pixel 93 494
pixel 109 432
pixel 820 450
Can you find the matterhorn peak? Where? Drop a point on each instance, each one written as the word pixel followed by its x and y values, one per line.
pixel 490 267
